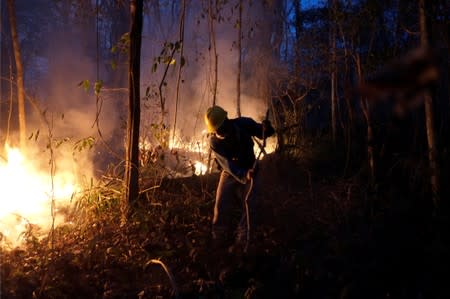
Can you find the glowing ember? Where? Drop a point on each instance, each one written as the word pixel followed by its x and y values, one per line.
pixel 200 168
pixel 26 195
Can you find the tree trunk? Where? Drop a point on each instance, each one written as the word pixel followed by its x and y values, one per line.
pixel 365 106
pixel 333 79
pixel 429 117
pixel 239 50
pixel 180 68
pixel 132 148
pixel 298 30
pixel 347 122
pixel 212 37
pixel 2 52
pixel 11 103
pixel 19 69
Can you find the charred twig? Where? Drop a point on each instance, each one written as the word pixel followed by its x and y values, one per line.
pixel 149 189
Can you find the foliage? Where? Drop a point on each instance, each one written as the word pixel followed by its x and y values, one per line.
pixel 121 47
pixel 167 55
pixel 85 143
pixel 86 84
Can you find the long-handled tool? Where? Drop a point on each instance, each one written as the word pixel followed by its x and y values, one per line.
pixel 250 188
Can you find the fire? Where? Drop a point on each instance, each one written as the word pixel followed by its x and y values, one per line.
pixel 186 156
pixel 197 144
pixel 195 148
pixel 178 157
pixel 200 168
pixel 270 147
pixel 27 194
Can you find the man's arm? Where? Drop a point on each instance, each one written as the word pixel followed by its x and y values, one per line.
pixel 259 130
pixel 230 167
pixel 226 163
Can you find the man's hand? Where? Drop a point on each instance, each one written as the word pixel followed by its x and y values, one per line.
pixel 250 174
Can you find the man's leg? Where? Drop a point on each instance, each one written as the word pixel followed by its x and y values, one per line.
pixel 221 224
pixel 249 209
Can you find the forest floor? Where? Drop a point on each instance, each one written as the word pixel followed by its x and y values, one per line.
pixel 319 235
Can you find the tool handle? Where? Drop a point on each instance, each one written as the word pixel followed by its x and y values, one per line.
pixel 264 129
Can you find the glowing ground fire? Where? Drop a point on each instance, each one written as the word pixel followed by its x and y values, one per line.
pixel 199 148
pixel 26 196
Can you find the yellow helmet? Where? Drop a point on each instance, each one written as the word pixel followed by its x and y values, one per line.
pixel 214 118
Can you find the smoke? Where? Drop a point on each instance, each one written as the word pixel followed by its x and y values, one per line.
pixel 58 159
pixel 67 56
pixel 196 91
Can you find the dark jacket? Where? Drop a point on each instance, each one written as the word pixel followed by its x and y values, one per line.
pixel 235 153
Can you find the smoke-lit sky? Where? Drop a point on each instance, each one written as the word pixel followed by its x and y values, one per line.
pixel 64 55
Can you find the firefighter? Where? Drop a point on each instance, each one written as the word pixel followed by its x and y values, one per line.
pixel 231 140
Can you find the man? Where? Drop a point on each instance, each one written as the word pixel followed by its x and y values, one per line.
pixel 232 143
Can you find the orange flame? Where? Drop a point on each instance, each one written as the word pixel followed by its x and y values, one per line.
pixel 27 194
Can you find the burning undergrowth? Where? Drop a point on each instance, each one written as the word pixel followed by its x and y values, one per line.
pixel 34 193
pixel 181 158
pixel 41 186
pixel 47 186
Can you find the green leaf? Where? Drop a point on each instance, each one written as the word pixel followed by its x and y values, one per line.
pixel 125 37
pixel 97 86
pixel 86 143
pixel 86 85
pixel 169 60
pixel 113 64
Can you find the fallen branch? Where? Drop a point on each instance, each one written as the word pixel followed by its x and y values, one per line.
pixel 169 274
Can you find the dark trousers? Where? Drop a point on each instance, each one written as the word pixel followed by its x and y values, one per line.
pixel 230 206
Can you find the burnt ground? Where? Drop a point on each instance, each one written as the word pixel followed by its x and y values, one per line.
pixel 320 234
